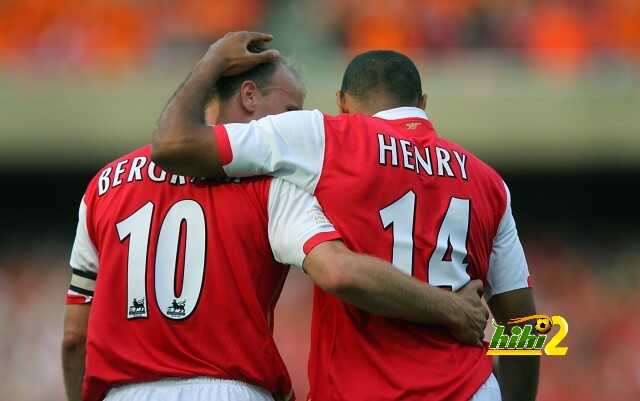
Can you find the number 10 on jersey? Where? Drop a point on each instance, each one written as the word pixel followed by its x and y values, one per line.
pixel 137 229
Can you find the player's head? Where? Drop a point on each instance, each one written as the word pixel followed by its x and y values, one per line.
pixel 379 80
pixel 269 88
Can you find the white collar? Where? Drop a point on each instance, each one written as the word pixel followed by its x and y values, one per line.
pixel 402 112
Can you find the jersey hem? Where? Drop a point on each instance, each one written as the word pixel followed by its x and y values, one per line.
pixel 318 239
pixel 509 288
pixel 71 299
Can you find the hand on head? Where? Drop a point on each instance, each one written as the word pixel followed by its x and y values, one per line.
pixel 237 50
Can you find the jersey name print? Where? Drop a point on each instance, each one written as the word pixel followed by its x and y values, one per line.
pixel 135 169
pixel 403 153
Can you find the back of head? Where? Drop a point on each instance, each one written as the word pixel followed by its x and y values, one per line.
pixel 384 78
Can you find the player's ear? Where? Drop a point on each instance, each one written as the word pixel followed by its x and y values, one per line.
pixel 249 94
pixel 422 102
pixel 211 112
pixel 341 102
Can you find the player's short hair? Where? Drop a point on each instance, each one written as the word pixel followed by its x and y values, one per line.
pixel 383 71
pixel 261 75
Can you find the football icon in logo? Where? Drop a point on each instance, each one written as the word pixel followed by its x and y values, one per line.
pixel 543 325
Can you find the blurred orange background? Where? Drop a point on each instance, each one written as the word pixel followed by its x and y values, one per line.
pixel 532 86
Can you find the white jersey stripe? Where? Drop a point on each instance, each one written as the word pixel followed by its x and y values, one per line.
pixel 508 268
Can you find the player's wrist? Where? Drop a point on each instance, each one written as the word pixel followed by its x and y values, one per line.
pixel 212 66
pixel 456 318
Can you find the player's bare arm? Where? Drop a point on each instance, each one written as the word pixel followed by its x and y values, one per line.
pixel 517 375
pixel 182 142
pixel 76 319
pixel 377 287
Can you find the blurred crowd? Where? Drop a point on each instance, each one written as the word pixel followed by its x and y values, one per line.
pixel 593 287
pixel 112 34
pixel 603 361
pixel 558 34
pixel 563 35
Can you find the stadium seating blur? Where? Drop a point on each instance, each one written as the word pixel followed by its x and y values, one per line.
pixel 545 90
pixel 560 35
pixel 111 34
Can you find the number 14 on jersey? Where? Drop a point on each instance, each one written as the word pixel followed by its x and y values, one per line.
pixel 447 265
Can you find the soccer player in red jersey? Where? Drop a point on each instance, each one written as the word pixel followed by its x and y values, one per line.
pixel 181 277
pixel 394 189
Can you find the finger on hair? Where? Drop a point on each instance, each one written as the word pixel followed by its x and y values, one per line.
pixel 266 56
pixel 258 37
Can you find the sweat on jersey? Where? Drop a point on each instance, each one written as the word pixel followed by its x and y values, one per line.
pixel 183 277
pixel 396 190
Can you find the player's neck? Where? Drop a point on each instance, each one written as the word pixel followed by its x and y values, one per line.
pixel 372 107
pixel 227 115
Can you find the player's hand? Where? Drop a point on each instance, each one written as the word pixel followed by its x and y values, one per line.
pixel 234 52
pixel 469 329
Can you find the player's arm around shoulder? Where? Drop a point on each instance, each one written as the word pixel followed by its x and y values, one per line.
pixel 377 287
pixel 301 235
pixel 182 142
pixel 290 145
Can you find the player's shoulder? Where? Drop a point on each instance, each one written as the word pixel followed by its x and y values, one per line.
pixel 344 124
pixel 92 191
pixel 345 117
pixel 260 186
pixel 483 171
pixel 259 183
pixel 143 151
pixel 327 122
pixel 293 117
pixel 289 123
pixel 256 188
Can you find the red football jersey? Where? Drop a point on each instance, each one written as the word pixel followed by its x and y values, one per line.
pixel 396 190
pixel 184 276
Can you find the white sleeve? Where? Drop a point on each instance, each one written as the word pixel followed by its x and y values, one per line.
pixel 288 145
pixel 84 262
pixel 508 268
pixel 296 223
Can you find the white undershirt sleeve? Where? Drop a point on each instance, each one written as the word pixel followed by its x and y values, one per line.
pixel 288 145
pixel 508 268
pixel 296 223
pixel 84 262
